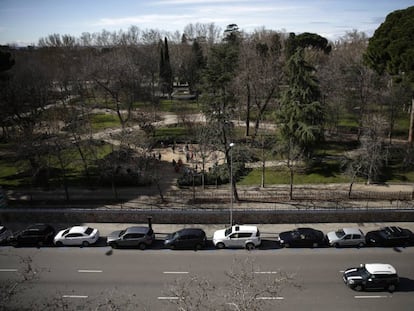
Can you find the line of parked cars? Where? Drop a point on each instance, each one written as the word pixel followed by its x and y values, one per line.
pixel 237 236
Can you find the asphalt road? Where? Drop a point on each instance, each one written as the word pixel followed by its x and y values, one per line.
pixel 92 276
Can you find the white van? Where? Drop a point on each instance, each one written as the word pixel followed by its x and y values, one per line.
pixel 237 236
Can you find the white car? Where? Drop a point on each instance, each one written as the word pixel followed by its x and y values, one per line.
pixel 4 234
pixel 346 237
pixel 78 235
pixel 237 237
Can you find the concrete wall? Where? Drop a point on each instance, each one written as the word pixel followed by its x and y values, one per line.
pixel 203 217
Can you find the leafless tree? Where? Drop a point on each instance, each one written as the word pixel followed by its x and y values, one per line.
pixel 244 289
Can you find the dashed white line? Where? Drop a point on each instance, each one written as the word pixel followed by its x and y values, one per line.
pixel 175 272
pixel 266 272
pixel 90 271
pixel 75 296
pixel 8 270
pixel 370 297
pixel 270 298
pixel 168 298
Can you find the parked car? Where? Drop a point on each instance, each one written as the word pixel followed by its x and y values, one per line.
pixel 77 235
pixel 188 238
pixel 390 236
pixel 302 237
pixel 237 236
pixel 5 234
pixel 372 276
pixel 140 237
pixel 346 237
pixel 37 234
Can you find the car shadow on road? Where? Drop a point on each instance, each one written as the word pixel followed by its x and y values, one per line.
pixel 406 285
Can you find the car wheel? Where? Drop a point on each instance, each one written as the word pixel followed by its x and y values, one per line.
pixel 358 287
pixel 114 245
pixel 39 244
pixel 314 245
pixel 336 245
pixel 220 245
pixel 361 244
pixel 391 288
pixel 198 247
pixel 287 245
pixel 142 246
pixel 59 243
pixel 85 243
pixel 249 246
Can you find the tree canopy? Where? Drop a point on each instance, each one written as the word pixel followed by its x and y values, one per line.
pixel 391 49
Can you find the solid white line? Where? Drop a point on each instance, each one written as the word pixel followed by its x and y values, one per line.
pixel 75 296
pixel 368 297
pixel 270 298
pixel 8 270
pixel 175 272
pixel 90 271
pixel 167 298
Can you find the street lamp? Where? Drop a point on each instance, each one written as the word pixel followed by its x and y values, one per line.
pixel 231 145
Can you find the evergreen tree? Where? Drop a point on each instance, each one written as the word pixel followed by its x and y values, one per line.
pixel 166 76
pixel 301 114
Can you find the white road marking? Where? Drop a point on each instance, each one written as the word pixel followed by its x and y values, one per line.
pixel 266 272
pixel 167 298
pixel 175 272
pixel 8 270
pixel 90 271
pixel 270 298
pixel 370 297
pixel 75 296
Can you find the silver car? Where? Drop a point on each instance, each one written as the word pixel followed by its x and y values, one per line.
pixel 346 237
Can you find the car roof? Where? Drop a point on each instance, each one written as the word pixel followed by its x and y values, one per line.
pixel 137 229
pixel 380 268
pixel 38 227
pixel 78 229
pixel 191 231
pixel 352 231
pixel 238 228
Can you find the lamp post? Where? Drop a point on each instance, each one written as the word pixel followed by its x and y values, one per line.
pixel 231 145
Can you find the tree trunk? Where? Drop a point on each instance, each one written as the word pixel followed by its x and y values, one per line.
pixel 248 105
pixel 411 130
pixel 291 183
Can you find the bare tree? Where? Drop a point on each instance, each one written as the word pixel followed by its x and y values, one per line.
pixel 245 289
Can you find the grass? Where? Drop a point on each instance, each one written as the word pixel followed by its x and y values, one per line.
pixel 321 173
pixel 101 121
pixel 16 173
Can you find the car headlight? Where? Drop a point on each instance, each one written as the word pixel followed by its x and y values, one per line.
pixel 351 281
pixel 281 241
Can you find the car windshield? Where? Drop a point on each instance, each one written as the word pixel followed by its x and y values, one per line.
pixel 121 233
pixel 228 231
pixel 65 232
pixel 2 229
pixel 340 233
pixel 89 231
pixel 364 273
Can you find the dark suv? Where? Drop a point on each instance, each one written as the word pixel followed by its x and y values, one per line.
pixel 38 234
pixel 372 276
pixel 190 238
pixel 390 236
pixel 140 237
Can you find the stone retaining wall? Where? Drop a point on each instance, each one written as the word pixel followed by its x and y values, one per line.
pixel 203 217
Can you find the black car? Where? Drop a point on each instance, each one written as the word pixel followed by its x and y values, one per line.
pixel 390 236
pixel 372 276
pixel 190 238
pixel 38 234
pixel 302 237
pixel 140 237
